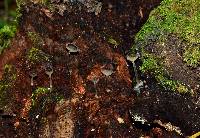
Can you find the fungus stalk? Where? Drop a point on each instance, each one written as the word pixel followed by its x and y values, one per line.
pixel 132 59
pixel 31 80
pixel 49 72
pixel 72 49
pixel 136 73
pixel 32 74
pixel 138 86
pixel 95 80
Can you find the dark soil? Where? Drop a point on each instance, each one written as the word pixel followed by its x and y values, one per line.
pixel 87 109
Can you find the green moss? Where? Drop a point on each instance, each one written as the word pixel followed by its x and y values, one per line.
pixel 192 56
pixel 51 7
pixel 181 88
pixel 173 16
pixel 114 41
pixel 6 83
pixel 41 97
pixel 35 39
pixel 6 33
pixel 35 55
pixel 37 93
pixel 166 83
pixel 10 72
pixel 7 68
pixel 180 18
pixel 20 2
pixel 154 66
pixel 149 64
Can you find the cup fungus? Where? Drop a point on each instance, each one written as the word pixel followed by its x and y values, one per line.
pixel 132 58
pixel 107 69
pixel 72 48
pixel 107 72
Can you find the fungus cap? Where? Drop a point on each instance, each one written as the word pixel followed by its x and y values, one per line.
pixel 132 57
pixel 72 48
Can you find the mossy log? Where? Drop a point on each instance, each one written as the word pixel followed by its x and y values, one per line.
pixel 53 91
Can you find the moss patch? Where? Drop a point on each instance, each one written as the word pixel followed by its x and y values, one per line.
pixel 8 78
pixel 154 66
pixel 35 39
pixel 45 92
pixel 42 98
pixel 35 55
pixel 37 93
pixel 192 56
pixel 174 16
pixel 171 18
pixel 6 33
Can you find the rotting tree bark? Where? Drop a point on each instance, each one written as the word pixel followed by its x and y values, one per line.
pixel 93 104
pixel 72 76
pixel 98 104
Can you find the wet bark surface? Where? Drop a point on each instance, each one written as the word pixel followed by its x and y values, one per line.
pixel 94 82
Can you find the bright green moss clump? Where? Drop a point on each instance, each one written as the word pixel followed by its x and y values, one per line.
pixel 192 56
pixel 149 64
pixel 174 16
pixel 6 33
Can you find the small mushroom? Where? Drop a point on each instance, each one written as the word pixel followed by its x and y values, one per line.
pixel 132 58
pixel 70 71
pixel 108 69
pixel 32 74
pixel 49 72
pixel 107 72
pixel 72 48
